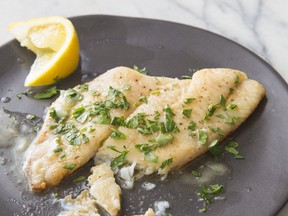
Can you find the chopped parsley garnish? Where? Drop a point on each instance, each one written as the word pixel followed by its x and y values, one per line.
pixel 164 139
pixel 192 126
pixel 187 112
pixel 80 115
pixel 142 71
pixel 208 193
pixel 57 150
pixel 150 157
pixel 202 137
pixel 221 116
pixel 119 161
pixel 169 125
pixel 54 115
pixel 72 95
pixel 156 115
pixel 48 93
pixel 231 106
pixel 155 92
pixel 70 166
pixel 223 102
pixel 114 149
pixel 143 99
pixel 118 135
pixel 139 119
pixel 237 80
pixel 118 121
pixel 166 163
pixel 211 110
pixel 231 119
pixel 116 99
pixel 126 86
pixel 231 148
pixel 83 87
pixel 195 173
pixel 189 100
pixel 216 130
pixel 215 149
pixel 168 110
pixel 79 179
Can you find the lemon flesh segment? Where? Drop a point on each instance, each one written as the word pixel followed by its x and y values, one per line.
pixel 54 41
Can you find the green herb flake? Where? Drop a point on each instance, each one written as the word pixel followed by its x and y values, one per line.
pixel 195 173
pixel 211 110
pixel 189 100
pixel 155 92
pixel 142 71
pixel 119 161
pixel 215 149
pixel 168 110
pixel 113 148
pixel 231 148
pixel 30 117
pixel 54 115
pixel 70 166
pixel 221 116
pixel 187 112
pixel 118 135
pixel 116 99
pixel 223 102
pixel 79 179
pixel 202 137
pixel 166 163
pixel 169 125
pixel 118 121
pixel 207 194
pixel 143 99
pixel 57 150
pixel 83 87
pixel 164 139
pixel 156 115
pixel 150 158
pixel 232 106
pixel 80 115
pixel 216 130
pixel 126 86
pixel 231 119
pixel 48 93
pixel 192 126
pixel 237 80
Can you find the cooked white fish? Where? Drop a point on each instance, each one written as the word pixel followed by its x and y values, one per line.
pixel 180 123
pixel 104 189
pixel 80 119
pixel 82 205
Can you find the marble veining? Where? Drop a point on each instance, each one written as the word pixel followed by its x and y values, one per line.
pixel 259 25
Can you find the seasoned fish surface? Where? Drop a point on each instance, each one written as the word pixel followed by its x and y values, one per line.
pixel 80 119
pixel 180 123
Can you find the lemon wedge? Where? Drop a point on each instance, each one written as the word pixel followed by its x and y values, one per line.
pixel 55 43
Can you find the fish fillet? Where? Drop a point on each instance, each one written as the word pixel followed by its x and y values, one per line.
pixel 188 120
pixel 80 119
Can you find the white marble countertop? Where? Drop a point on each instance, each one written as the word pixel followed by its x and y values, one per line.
pixel 260 25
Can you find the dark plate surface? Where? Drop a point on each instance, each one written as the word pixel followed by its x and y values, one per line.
pixel 256 186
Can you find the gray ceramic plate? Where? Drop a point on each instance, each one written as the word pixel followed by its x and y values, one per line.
pixel 255 186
